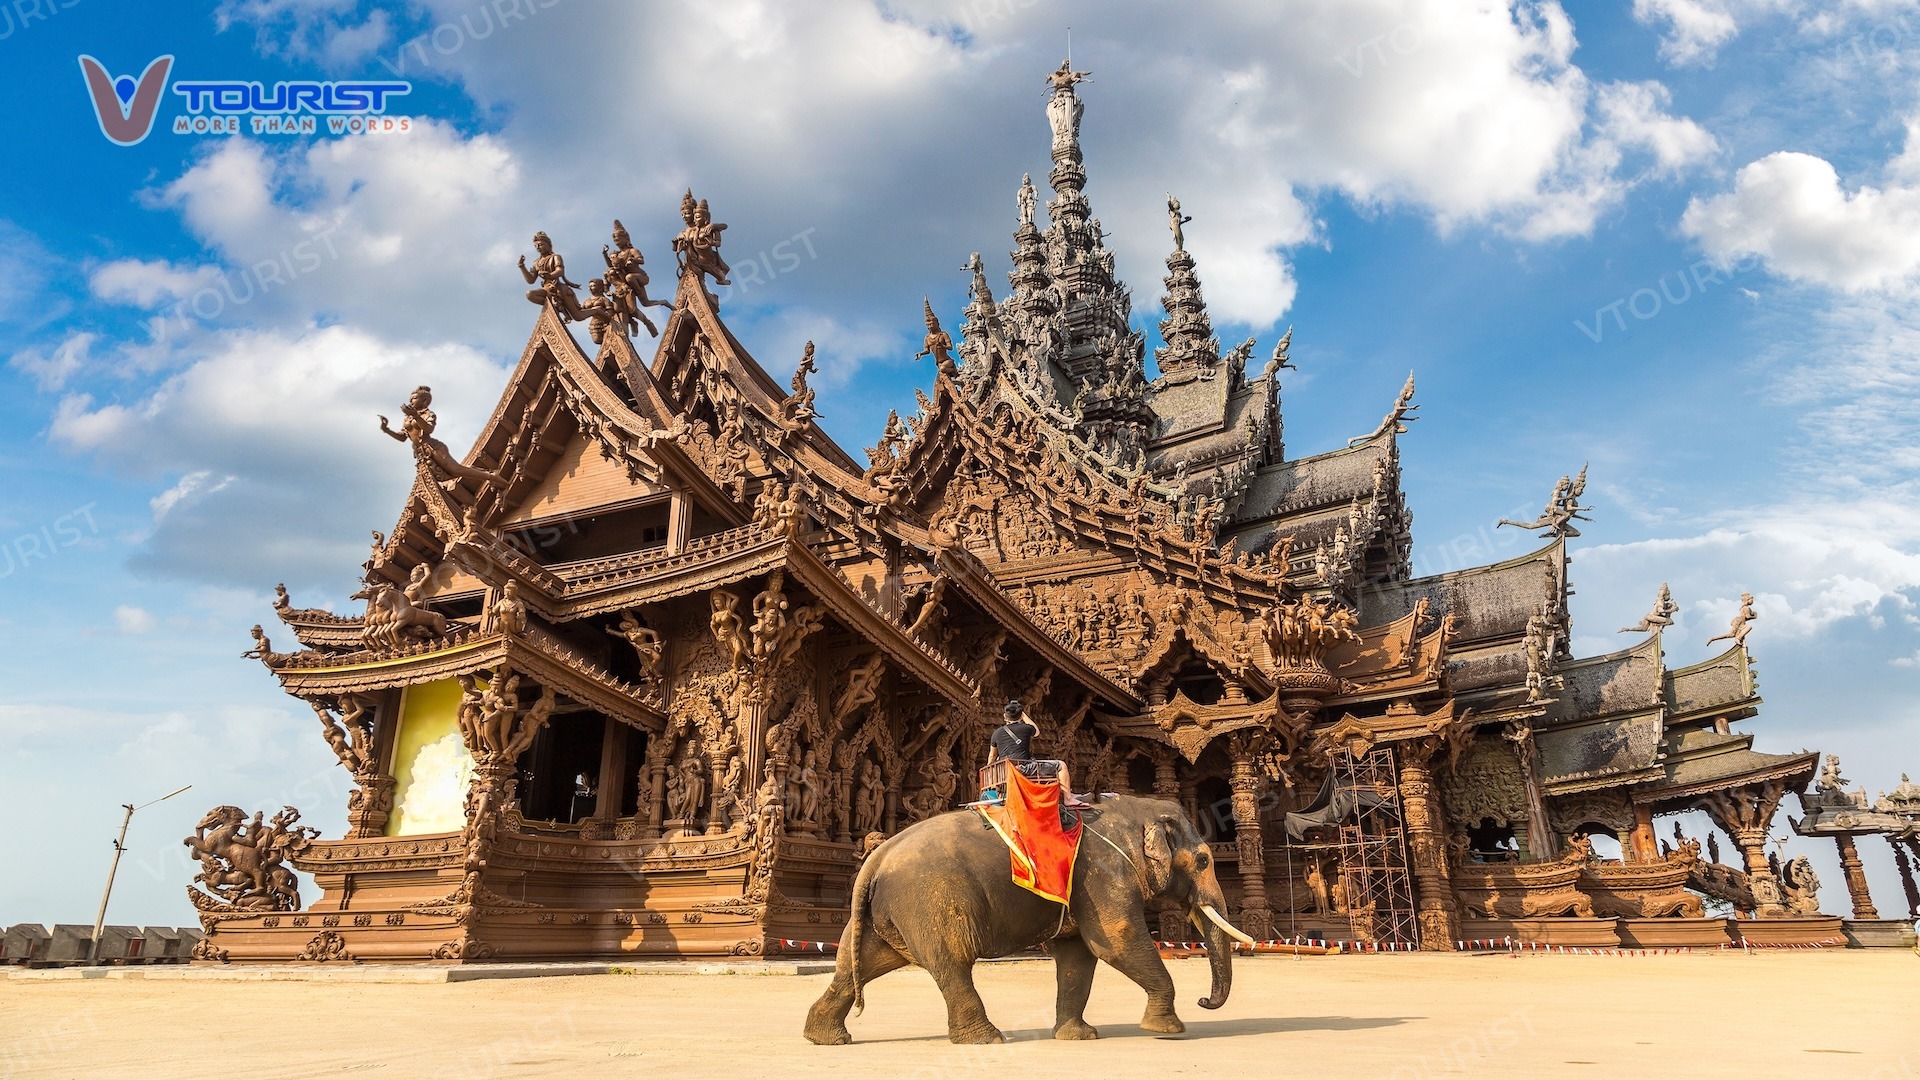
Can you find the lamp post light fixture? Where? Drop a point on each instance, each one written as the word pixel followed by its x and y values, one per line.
pixel 119 846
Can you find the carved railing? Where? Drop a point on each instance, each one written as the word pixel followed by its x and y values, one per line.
pixel 588 575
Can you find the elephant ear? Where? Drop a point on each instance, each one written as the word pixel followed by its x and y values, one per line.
pixel 1159 851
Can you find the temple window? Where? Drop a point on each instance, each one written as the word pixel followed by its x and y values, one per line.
pixel 1606 842
pixel 1492 841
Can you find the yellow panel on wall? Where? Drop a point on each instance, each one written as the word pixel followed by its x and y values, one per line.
pixel 431 764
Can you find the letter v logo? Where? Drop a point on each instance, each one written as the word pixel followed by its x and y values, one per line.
pixel 125 108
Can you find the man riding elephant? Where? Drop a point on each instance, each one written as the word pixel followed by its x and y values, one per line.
pixel 940 895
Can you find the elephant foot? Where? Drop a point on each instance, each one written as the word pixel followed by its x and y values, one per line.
pixel 1076 1030
pixel 829 1036
pixel 983 1036
pixel 1168 1024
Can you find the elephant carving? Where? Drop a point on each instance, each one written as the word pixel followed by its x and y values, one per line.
pixel 939 895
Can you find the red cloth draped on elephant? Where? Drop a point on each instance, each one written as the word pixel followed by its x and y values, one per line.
pixel 1029 822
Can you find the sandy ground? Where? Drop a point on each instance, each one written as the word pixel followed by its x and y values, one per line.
pixel 1828 1014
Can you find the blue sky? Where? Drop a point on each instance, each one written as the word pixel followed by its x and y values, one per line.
pixel 1721 192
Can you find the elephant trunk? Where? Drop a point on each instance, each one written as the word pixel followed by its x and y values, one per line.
pixel 1220 937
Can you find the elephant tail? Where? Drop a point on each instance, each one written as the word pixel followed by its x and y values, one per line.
pixel 856 927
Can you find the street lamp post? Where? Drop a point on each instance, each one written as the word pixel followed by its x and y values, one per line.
pixel 119 846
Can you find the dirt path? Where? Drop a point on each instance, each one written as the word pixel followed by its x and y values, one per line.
pixel 1839 1014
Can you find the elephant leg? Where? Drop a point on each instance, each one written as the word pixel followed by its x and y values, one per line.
pixel 827 1020
pixel 1132 952
pixel 966 1014
pixel 1073 966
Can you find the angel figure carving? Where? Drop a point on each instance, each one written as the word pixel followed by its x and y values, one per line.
pixel 550 271
pixel 646 643
pixel 1661 617
pixel 1742 623
pixel 431 455
pixel 1562 510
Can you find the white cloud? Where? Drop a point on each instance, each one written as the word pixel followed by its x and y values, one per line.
pixel 52 371
pixel 149 283
pixel 1476 117
pixel 1791 210
pixel 278 465
pixel 133 621
pixel 1694 30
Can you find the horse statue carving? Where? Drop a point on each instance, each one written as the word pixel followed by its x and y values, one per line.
pixel 243 864
pixel 391 617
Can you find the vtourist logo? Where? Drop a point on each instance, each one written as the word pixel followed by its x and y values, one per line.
pixel 123 106
pixel 126 107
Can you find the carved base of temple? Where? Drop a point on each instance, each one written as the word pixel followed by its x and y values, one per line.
pixel 1878 933
pixel 1566 931
pixel 544 898
pixel 1796 931
pixel 1671 933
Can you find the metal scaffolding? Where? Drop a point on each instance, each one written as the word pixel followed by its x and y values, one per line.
pixel 1373 849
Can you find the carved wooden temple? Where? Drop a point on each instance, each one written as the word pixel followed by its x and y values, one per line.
pixel 647 670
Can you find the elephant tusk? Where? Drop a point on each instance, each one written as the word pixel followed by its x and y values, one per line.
pixel 1218 920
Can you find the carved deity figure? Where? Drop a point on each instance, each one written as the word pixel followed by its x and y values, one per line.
pixel 870 804
pixel 1562 510
pixel 1830 775
pixel 550 271
pixel 797 411
pixel 605 313
pixel 937 344
pixel 1063 109
pixel 509 611
pixel 1742 623
pixel 1661 617
pixel 698 245
pixel 1028 196
pixel 727 628
pixel 1177 222
pixel 431 455
pixel 262 648
pixel 687 787
pixel 627 279
pixel 646 643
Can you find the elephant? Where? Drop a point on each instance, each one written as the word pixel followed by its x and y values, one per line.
pixel 939 894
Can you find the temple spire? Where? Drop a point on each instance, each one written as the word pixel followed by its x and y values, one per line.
pixel 1190 347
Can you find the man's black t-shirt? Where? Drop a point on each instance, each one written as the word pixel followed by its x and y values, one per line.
pixel 1013 740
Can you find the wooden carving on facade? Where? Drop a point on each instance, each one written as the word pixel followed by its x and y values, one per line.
pixel 244 864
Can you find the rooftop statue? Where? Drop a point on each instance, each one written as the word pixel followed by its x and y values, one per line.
pixel 429 453
pixel 627 280
pixel 1742 623
pixel 1397 418
pixel 698 245
pixel 1175 221
pixel 1281 356
pixel 1659 618
pixel 1064 109
pixel 1563 509
pixel 550 270
pixel 937 345
pixel 1028 196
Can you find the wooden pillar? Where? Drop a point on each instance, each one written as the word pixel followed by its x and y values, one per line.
pixel 1856 878
pixel 1428 845
pixel 1745 814
pixel 1540 842
pixel 679 522
pixel 1255 918
pixel 611 787
pixel 1906 876
pixel 657 785
pixel 1645 847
